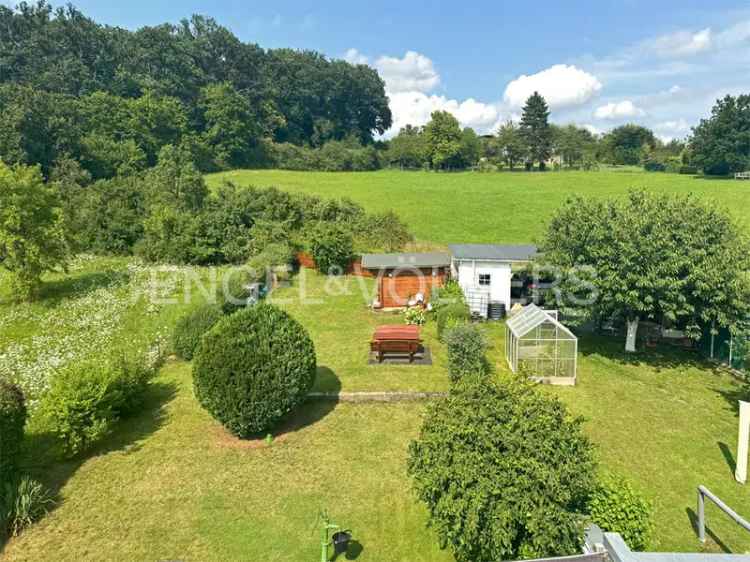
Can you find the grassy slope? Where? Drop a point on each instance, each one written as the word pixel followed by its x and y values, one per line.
pixel 473 207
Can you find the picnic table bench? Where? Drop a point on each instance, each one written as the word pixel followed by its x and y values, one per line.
pixel 396 339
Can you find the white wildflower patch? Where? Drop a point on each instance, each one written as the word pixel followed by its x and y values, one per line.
pixel 88 325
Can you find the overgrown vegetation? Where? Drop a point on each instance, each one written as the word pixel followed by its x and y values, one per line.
pixel 190 329
pixel 12 420
pixel 616 507
pixel 466 345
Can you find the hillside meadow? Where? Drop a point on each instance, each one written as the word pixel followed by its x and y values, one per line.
pixel 505 207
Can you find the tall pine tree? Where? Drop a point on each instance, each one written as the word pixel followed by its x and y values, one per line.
pixel 536 131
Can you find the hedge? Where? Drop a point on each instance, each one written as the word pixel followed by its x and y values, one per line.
pixel 450 316
pixel 253 368
pixel 617 508
pixel 191 328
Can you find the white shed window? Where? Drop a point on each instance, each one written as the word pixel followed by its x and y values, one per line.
pixel 485 279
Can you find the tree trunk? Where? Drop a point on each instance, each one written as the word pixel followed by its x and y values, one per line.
pixel 632 332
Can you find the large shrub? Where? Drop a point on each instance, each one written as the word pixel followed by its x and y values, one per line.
pixel 234 290
pixel 332 247
pixel 504 470
pixel 254 367
pixel 466 352
pixel 191 327
pixel 85 400
pixel 450 316
pixel 12 421
pixel 617 508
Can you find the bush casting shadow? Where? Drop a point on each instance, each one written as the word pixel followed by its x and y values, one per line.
pixel 42 457
pixel 52 293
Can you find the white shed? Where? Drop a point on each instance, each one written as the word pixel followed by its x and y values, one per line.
pixel 485 272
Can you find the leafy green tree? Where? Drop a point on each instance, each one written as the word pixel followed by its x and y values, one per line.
pixel 572 144
pixel 504 470
pixel 511 143
pixel 231 125
pixel 72 182
pixel 32 235
pixel 670 259
pixel 470 148
pixel 535 130
pixel 408 148
pixel 175 181
pixel 721 144
pixel 625 144
pixel 443 140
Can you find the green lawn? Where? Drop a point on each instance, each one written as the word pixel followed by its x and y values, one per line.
pixel 446 208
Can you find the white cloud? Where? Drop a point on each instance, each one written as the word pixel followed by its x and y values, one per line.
pixel 592 129
pixel 415 108
pixel 618 110
pixel 677 127
pixel 413 72
pixel 561 85
pixel 680 44
pixel 353 56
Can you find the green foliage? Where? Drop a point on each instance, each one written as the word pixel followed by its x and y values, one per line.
pixel 535 130
pixel 466 352
pixel 334 156
pixel 381 232
pixel 720 145
pixel 415 316
pixel 443 141
pixel 451 315
pixel 504 472
pixel 85 400
pixel 617 508
pixel 660 257
pixel 408 149
pixel 175 181
pixel 253 368
pixel 624 144
pixel 192 326
pixel 332 248
pixel 32 235
pixel 22 502
pixel 272 263
pixel 510 143
pixel 12 421
pixel 234 290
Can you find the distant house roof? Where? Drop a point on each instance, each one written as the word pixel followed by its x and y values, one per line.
pixel 493 252
pixel 392 261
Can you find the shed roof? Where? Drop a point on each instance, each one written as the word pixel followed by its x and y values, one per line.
pixel 494 252
pixel 529 318
pixel 392 261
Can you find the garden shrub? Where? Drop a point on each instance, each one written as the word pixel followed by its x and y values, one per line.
pixel 449 293
pixel 689 170
pixel 253 368
pixel 191 327
pixel 450 316
pixel 504 471
pixel 22 502
pixel 234 291
pixel 85 400
pixel 12 421
pixel 332 248
pixel 617 508
pixel 381 232
pixel 415 316
pixel 466 352
pixel 272 264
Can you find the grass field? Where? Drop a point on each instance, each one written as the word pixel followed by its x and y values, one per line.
pixel 446 208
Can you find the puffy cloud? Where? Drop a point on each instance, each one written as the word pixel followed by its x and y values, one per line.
pixel 353 56
pixel 625 108
pixel 680 43
pixel 413 72
pixel 415 108
pixel 592 129
pixel 561 85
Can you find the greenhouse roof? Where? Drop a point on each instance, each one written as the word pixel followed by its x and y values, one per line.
pixel 529 318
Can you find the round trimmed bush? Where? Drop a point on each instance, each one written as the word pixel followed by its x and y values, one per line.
pixel 12 420
pixel 254 367
pixel 617 508
pixel 191 328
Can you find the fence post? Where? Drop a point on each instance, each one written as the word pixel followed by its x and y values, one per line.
pixel 701 517
pixel 743 437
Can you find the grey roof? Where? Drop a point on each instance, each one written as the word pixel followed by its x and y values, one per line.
pixel 493 252
pixel 531 316
pixel 389 261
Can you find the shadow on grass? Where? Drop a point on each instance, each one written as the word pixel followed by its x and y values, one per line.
pixel 53 292
pixel 693 517
pixel 733 395
pixel 312 411
pixel 726 452
pixel 658 358
pixel 53 470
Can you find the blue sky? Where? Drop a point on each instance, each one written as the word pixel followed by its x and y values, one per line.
pixel 599 63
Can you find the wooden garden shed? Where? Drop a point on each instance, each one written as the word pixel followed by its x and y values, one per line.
pixel 402 277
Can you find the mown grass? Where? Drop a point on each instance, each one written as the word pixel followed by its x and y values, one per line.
pixel 446 208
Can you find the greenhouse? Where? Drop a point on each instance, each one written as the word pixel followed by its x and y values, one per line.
pixel 539 345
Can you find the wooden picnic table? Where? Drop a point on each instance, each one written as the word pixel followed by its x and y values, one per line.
pixel 396 339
